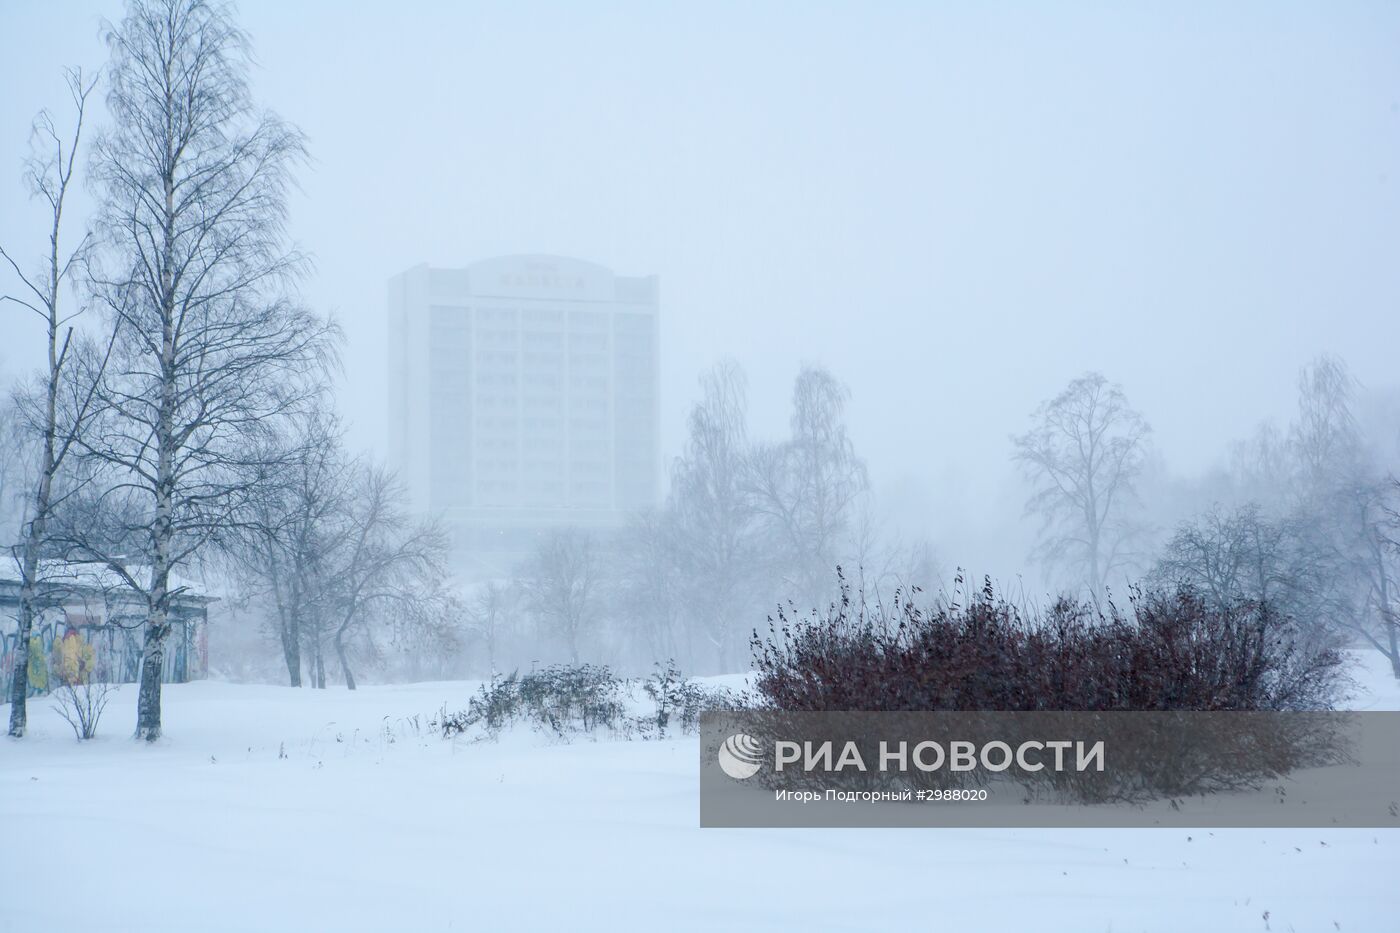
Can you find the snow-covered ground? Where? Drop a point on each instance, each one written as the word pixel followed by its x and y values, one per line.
pixel 268 808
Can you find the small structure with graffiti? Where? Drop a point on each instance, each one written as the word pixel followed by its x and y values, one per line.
pixel 88 605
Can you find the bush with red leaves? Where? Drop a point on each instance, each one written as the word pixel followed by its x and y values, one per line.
pixel 1175 650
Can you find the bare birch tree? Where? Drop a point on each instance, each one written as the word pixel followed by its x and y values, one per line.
pixel 1324 438
pixel 1345 502
pixel 211 346
pixel 49 173
pixel 807 487
pixel 1083 456
pixel 562 586
pixel 717 526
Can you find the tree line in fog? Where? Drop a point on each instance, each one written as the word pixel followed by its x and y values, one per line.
pixel 182 426
pixel 1304 518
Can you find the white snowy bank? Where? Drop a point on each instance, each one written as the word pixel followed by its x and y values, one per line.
pixel 268 808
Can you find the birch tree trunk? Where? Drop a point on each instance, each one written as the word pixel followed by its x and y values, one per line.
pixel 49 174
pixel 213 352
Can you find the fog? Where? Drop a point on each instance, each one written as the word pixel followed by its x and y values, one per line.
pixel 955 210
pixel 664 382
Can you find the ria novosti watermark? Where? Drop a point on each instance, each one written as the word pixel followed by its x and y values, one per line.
pixel 740 756
pixel 768 768
pixel 929 756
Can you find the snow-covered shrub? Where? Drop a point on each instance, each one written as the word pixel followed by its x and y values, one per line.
pixel 585 698
pixel 570 698
pixel 680 701
pixel 564 699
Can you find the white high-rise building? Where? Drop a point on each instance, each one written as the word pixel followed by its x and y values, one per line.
pixel 523 397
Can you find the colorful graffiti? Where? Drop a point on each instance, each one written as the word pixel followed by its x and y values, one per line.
pixel 115 650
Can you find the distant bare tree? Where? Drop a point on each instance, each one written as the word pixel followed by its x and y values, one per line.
pixel 562 584
pixel 1345 502
pixel 383 566
pixel 1228 556
pixel 646 589
pixel 288 527
pixel 1324 438
pixel 1367 518
pixel 886 563
pixel 329 547
pixel 718 530
pixel 49 172
pixel 807 487
pixel 210 351
pixel 491 614
pixel 1083 456
pixel 1260 467
pixel 1387 597
pixel 428 627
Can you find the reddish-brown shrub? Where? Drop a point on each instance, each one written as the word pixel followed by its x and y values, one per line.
pixel 1175 651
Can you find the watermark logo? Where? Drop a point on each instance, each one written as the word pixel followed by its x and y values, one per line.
pixel 740 756
pixel 1049 768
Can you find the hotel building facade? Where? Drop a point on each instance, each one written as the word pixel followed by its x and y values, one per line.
pixel 523 398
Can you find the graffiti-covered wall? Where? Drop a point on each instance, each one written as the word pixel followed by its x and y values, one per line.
pixel 110 626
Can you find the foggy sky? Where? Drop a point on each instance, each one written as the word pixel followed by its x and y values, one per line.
pixel 957 210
